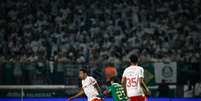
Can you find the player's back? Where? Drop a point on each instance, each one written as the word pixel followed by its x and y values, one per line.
pixel 118 92
pixel 133 74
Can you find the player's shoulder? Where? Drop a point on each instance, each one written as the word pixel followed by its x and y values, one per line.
pixel 134 67
pixel 140 67
pixel 126 70
pixel 129 67
pixel 90 77
pixel 115 84
pixel 118 84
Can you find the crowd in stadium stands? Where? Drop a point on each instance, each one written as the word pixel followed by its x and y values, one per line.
pixel 88 31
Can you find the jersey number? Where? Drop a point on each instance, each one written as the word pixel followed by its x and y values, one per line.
pixel 132 82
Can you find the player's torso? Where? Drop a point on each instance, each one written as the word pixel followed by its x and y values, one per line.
pixel 132 81
pixel 118 92
pixel 89 89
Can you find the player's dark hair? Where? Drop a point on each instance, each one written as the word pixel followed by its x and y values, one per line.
pixel 113 79
pixel 84 70
pixel 134 59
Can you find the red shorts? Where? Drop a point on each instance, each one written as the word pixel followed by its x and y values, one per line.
pixel 138 98
pixel 96 100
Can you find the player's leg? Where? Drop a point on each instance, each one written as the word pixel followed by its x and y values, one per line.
pixel 142 98
pixel 138 98
pixel 134 98
pixel 96 100
pixel 146 98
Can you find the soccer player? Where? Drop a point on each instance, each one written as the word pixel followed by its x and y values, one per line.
pixel 133 81
pixel 116 90
pixel 89 87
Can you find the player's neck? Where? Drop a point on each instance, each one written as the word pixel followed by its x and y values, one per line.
pixel 132 64
pixel 85 78
pixel 112 82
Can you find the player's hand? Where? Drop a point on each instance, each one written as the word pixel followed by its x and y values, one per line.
pixel 148 93
pixel 106 92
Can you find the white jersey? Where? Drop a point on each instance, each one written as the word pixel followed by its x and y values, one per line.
pixel 89 89
pixel 132 75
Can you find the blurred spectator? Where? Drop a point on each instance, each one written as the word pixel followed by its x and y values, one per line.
pixel 188 90
pixel 101 31
pixel 197 89
pixel 163 89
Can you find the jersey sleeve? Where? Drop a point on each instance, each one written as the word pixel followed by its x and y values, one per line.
pixel 124 73
pixel 141 73
pixel 93 81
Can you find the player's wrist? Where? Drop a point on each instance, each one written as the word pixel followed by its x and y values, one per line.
pixel 71 98
pixel 106 92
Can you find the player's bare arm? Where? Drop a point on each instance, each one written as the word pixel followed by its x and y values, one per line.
pixel 123 83
pixel 80 93
pixel 144 87
pixel 98 88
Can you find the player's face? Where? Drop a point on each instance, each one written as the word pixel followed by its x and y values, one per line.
pixel 82 75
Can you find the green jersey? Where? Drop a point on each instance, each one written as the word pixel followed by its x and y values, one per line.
pixel 117 92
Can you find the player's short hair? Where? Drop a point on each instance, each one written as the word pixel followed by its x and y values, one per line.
pixel 134 58
pixel 84 70
pixel 113 79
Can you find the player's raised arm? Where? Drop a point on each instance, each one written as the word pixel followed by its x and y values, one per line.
pixel 80 93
